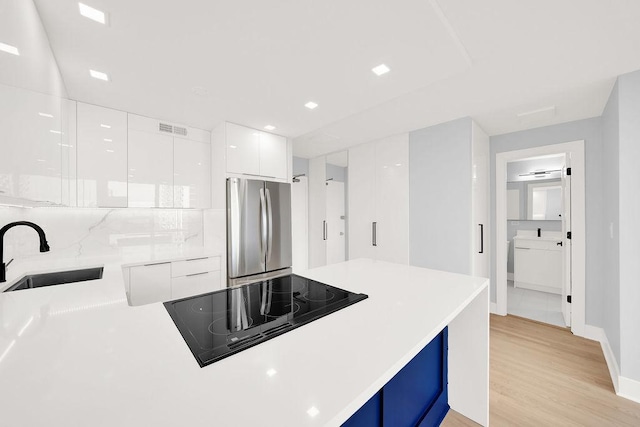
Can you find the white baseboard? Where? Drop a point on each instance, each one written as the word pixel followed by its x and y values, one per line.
pixel 493 308
pixel 629 389
pixel 623 386
pixel 509 276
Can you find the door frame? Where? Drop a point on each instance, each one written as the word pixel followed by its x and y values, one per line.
pixel 575 151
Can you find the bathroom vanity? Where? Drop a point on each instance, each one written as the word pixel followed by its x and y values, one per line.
pixel 538 261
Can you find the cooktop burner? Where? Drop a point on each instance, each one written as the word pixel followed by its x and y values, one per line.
pixel 219 324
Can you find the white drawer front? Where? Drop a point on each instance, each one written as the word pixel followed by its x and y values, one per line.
pixel 149 283
pixel 186 286
pixel 195 266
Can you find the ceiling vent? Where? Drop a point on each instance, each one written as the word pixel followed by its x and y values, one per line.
pixel 163 127
pixel 180 130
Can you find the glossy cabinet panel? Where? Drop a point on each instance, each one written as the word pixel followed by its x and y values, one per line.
pixel 379 200
pixel 362 201
pixel 101 156
pixel 392 199
pixel 243 149
pixel 273 155
pixel 150 170
pixel 149 283
pixel 192 174
pixel 32 132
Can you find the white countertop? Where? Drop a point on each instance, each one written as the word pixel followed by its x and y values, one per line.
pixel 78 355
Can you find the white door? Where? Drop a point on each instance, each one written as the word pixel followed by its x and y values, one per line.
pixel 566 227
pixel 362 190
pixel 336 249
pixel 300 224
pixel 480 202
pixel 392 199
pixel 317 212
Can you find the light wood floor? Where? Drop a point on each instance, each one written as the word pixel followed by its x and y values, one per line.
pixel 542 375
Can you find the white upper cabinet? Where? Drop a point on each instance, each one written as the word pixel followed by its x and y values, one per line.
pixel 101 156
pixel 150 170
pixel 253 152
pixel 192 174
pixel 273 155
pixel 243 150
pixel 30 161
pixel 379 200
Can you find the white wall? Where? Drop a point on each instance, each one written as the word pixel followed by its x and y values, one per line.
pixel 629 211
pixel 588 130
pixel 440 196
pixel 611 214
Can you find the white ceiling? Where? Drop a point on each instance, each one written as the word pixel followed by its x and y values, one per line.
pixel 259 62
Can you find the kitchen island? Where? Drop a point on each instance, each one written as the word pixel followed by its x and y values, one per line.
pixel 77 354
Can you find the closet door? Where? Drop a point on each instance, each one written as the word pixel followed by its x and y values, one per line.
pixel 317 213
pixel 480 202
pixel 392 199
pixel 362 206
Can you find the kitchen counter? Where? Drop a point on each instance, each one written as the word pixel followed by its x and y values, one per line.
pixel 77 354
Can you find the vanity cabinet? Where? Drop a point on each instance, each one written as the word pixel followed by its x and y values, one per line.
pixel 538 264
pixel 164 281
pixel 378 188
pixel 256 153
pixel 101 157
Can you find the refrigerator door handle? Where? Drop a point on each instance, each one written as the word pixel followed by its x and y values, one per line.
pixel 234 223
pixel 263 225
pixel 269 225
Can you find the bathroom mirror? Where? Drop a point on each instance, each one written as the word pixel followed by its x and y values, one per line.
pixel 534 201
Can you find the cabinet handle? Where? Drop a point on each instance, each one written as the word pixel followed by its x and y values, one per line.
pixel 324 230
pixel 157 263
pixel 197 274
pixel 481 238
pixel 374 233
pixel 197 259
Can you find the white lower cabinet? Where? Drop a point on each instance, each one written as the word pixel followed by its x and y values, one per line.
pixel 194 284
pixel 537 265
pixel 149 283
pixel 172 280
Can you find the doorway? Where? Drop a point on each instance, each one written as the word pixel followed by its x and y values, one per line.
pixel 566 252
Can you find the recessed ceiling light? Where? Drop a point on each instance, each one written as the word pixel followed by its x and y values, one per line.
pixel 108 140
pixel 57 132
pixel 40 160
pixel 269 127
pixel 93 14
pixel 105 126
pixel 233 146
pixel 313 411
pixel 46 115
pixel 9 49
pixel 109 151
pixel 311 105
pixel 99 75
pixel 381 69
pixel 271 372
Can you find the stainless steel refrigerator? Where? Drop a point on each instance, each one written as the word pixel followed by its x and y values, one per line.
pixel 258 230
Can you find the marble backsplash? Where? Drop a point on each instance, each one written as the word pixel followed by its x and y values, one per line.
pixel 74 232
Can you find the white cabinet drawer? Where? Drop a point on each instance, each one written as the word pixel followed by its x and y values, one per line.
pixel 182 287
pixel 549 245
pixel 149 283
pixel 194 266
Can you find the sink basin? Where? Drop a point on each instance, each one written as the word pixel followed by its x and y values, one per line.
pixel 57 278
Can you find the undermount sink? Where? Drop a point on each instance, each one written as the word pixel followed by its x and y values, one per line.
pixel 57 278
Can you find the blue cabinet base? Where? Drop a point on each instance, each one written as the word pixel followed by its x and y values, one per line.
pixel 415 396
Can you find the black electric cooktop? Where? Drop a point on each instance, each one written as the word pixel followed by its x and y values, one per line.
pixel 222 323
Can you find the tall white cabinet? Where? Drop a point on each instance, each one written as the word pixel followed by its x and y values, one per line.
pixel 317 213
pixel 480 201
pixel 378 187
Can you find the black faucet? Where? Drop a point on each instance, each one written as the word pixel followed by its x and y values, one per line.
pixel 44 246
